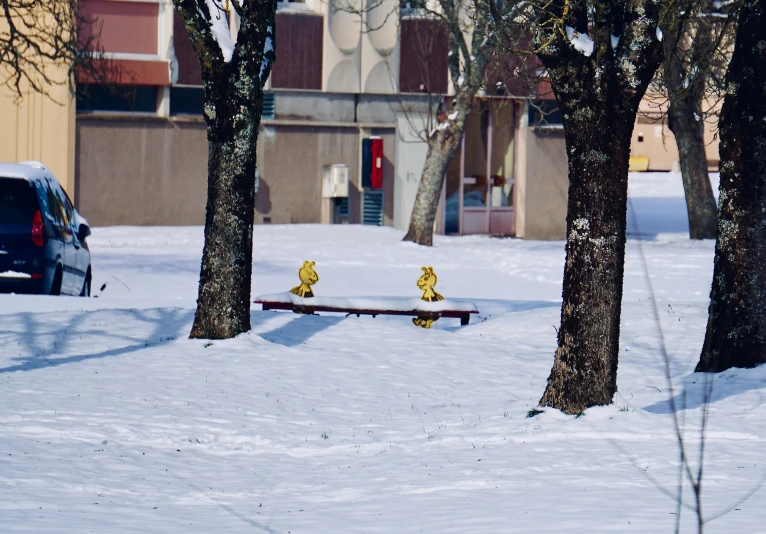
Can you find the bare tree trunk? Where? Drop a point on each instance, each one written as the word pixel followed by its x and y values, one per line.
pixel 223 305
pixel 233 75
pixel 736 331
pixel 442 147
pixel 688 127
pixel 584 372
pixel 467 70
pixel 598 96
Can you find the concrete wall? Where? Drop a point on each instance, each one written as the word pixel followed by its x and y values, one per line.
pixel 543 188
pixel 290 167
pixel 150 171
pixel 141 171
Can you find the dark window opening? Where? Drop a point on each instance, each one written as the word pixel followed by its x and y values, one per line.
pixel 544 112
pixel 142 99
pixel 187 100
pixel 640 138
pixel 17 201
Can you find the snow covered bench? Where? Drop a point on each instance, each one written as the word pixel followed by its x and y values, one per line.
pixel 427 309
pixel 414 307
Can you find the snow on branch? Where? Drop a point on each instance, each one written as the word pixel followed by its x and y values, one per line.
pixel 219 27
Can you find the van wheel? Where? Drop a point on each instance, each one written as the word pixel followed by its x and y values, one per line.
pixel 86 286
pixel 56 285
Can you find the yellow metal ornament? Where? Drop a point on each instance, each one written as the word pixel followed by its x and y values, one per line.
pixel 308 277
pixel 426 284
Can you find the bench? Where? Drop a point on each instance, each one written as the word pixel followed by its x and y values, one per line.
pixel 414 307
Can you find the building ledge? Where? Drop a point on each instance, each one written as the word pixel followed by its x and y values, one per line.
pixel 305 123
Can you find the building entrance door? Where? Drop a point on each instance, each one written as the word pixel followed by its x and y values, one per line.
pixel 486 197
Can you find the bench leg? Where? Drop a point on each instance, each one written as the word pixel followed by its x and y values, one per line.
pixel 464 320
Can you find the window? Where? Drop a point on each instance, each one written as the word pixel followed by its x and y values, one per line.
pixel 17 201
pixel 186 100
pixel 122 98
pixel 411 5
pixel 544 113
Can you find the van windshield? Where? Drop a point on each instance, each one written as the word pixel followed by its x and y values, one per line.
pixel 18 201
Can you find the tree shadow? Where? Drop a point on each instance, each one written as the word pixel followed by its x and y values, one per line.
pixel 692 390
pixel 42 342
pixel 657 215
pixel 300 329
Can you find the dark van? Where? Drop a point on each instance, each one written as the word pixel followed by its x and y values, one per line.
pixel 42 237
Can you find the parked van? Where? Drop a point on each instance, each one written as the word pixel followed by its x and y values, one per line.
pixel 43 246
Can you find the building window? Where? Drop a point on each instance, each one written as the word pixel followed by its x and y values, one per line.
pixel 300 39
pixel 408 6
pixel 544 113
pixel 120 98
pixel 292 5
pixel 186 100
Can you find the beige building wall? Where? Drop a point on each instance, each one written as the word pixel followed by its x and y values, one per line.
pixel 39 127
pixel 542 183
pixel 547 185
pixel 153 171
pixel 291 158
pixel 145 171
pixel 653 139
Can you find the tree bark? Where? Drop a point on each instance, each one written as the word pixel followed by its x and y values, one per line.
pixel 736 330
pixel 688 127
pixel 598 96
pixel 223 304
pixel 442 147
pixel 584 372
pixel 233 74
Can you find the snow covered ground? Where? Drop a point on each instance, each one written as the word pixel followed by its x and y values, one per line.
pixel 113 421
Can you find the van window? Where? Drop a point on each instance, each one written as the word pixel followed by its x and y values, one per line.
pixel 18 201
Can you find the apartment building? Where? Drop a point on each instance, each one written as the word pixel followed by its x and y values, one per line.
pixel 340 97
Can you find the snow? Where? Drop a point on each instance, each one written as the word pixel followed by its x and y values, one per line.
pixel 452 116
pixel 114 421
pixel 370 303
pixel 25 170
pixel 580 41
pixel 615 41
pixel 219 26
pixel 14 274
pixel 268 46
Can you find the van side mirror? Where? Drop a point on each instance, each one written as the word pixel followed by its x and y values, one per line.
pixel 83 231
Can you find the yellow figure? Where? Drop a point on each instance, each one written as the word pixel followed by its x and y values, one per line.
pixel 426 283
pixel 424 322
pixel 308 277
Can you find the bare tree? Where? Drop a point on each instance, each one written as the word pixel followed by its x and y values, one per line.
pixel 42 46
pixel 697 39
pixel 474 42
pixel 233 75
pixel 471 38
pixel 736 330
pixel 600 56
